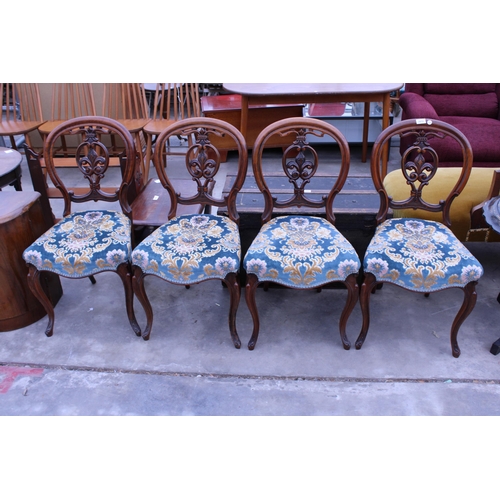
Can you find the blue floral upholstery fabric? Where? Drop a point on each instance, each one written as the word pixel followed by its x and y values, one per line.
pixel 301 252
pixel 191 248
pixel 82 244
pixel 420 255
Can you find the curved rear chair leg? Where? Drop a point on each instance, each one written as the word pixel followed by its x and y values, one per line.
pixel 250 289
pixel 234 288
pixel 369 283
pixel 352 297
pixel 123 270
pixel 37 290
pixel 139 290
pixel 470 297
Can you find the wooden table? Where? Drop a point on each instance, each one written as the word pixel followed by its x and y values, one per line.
pixel 10 168
pixel 21 223
pixel 305 93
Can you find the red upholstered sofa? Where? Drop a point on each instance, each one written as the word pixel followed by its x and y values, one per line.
pixel 474 108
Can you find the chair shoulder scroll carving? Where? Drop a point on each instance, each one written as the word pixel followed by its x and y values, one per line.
pixel 194 248
pixel 414 253
pixel 93 240
pixel 298 245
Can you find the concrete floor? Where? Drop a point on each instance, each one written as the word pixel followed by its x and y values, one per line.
pixel 95 365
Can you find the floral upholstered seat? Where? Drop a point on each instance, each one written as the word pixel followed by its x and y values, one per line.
pixel 414 253
pixel 83 244
pixel 301 252
pixel 190 249
pixel 193 248
pixel 305 250
pixel 423 256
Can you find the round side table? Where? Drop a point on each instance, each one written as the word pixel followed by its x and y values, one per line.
pixel 10 168
pixel 21 223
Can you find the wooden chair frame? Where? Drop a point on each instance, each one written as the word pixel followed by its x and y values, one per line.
pixel 418 164
pixel 93 161
pixel 299 174
pixel 203 162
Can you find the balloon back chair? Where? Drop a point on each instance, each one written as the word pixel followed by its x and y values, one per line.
pixel 190 249
pixel 299 250
pixel 91 241
pixel 411 252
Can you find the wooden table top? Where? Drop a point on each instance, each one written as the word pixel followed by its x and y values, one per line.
pixel 14 203
pixel 275 89
pixel 9 160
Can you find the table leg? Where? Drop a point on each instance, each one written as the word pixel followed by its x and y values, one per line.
pixel 244 116
pixel 385 124
pixel 366 121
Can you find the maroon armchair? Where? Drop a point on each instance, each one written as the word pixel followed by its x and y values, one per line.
pixel 473 108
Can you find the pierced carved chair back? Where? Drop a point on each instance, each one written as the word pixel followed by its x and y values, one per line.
pixel 300 164
pixel 419 165
pixel 92 158
pixel 202 161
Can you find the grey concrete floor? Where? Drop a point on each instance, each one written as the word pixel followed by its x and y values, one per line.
pixel 95 365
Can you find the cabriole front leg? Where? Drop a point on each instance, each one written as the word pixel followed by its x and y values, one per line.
pixel 124 272
pixel 234 288
pixel 139 290
pixel 250 289
pixel 36 288
pixel 470 298
pixel 367 287
pixel 352 297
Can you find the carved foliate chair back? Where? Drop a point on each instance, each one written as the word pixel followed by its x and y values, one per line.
pixel 87 242
pixel 298 245
pixel 419 165
pixel 410 251
pixel 93 159
pixel 190 249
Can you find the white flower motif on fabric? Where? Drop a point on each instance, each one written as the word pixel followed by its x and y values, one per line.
pixel 33 257
pixel 257 267
pixel 116 257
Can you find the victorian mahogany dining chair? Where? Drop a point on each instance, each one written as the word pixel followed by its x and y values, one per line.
pixel 193 248
pixel 91 241
pixel 298 245
pixel 410 251
pixel 22 111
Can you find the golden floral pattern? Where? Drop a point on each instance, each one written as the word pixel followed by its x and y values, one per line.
pixel 420 255
pixel 301 252
pixel 191 248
